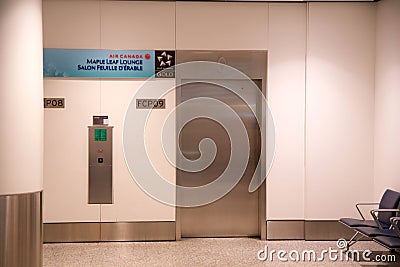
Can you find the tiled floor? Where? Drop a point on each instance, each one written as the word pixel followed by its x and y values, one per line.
pixel 194 252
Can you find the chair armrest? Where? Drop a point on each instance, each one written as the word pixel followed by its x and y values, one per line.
pixel 394 219
pixel 364 204
pixel 374 213
pixel 395 224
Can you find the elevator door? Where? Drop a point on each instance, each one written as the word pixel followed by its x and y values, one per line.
pixel 237 213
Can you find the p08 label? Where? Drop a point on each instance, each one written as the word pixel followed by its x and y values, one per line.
pixel 54 102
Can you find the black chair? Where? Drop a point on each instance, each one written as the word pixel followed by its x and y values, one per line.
pixel 390 242
pixel 388 208
pixel 373 232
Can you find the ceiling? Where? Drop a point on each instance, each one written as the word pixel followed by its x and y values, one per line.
pixel 282 1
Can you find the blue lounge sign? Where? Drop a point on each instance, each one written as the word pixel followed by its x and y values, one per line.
pixel 89 63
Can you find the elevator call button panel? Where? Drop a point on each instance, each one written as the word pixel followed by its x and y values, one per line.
pixel 100 164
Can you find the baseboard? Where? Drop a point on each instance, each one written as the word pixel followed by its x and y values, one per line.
pixel 138 231
pixel 312 230
pixel 321 230
pixel 100 232
pixel 285 230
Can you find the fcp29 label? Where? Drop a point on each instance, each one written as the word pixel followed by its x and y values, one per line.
pixel 150 103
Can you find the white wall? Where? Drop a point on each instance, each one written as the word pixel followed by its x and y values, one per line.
pixel 387 96
pixel 66 151
pixel 221 26
pixel 320 88
pixel 137 25
pixel 68 24
pixel 130 202
pixel 286 97
pixel 134 25
pixel 98 25
pixel 339 108
pixel 21 92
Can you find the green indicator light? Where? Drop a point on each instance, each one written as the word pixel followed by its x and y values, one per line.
pixel 100 134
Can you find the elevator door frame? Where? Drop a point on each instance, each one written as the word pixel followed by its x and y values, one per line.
pixel 254 64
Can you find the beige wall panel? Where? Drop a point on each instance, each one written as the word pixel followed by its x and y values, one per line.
pixel 66 151
pixel 339 108
pixel 130 202
pixel 71 24
pixel 387 96
pixel 137 25
pixel 221 26
pixel 286 97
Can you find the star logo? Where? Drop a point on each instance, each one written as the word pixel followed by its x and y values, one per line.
pixel 165 60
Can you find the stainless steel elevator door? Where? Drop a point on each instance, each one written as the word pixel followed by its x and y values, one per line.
pixel 237 213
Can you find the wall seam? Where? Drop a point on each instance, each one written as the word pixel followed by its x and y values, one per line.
pixel 267 89
pixel 306 54
pixel 175 29
pixel 100 93
pixel 374 187
pixel 101 28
